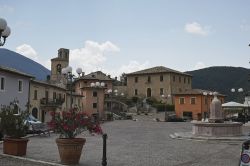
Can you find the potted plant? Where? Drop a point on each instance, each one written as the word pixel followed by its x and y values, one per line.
pixel 69 124
pixel 13 127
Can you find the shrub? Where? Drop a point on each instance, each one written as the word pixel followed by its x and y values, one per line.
pixel 13 122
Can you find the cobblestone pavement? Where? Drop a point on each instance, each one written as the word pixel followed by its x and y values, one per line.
pixel 144 142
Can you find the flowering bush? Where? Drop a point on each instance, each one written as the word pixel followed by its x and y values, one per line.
pixel 13 122
pixel 70 123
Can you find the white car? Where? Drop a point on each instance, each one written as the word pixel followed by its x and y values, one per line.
pixel 32 120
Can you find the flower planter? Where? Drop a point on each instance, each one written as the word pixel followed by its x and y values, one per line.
pixel 70 149
pixel 15 146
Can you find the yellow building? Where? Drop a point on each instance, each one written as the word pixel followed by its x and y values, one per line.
pixel 157 81
pixel 44 98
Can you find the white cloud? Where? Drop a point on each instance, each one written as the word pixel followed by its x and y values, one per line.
pixel 197 29
pixel 92 55
pixel 27 51
pixel 132 66
pixel 6 9
pixel 245 26
pixel 199 65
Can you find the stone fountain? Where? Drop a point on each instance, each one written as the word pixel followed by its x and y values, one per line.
pixel 216 127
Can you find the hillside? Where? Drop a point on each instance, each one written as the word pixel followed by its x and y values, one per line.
pixel 222 79
pixel 19 62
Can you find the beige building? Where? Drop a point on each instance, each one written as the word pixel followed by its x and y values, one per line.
pixel 53 94
pixel 44 98
pixel 93 101
pixel 157 81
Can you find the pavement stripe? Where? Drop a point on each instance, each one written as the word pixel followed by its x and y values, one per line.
pixel 32 160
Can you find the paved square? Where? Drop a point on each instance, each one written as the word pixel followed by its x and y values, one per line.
pixel 142 143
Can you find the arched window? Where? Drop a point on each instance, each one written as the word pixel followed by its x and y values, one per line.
pixel 35 112
pixel 59 68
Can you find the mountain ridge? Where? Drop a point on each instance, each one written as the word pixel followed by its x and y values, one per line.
pixel 19 62
pixel 222 79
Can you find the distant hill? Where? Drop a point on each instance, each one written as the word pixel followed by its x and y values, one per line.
pixel 222 79
pixel 19 62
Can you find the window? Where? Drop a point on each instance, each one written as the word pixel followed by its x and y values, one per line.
pixel 60 96
pixel 188 80
pixel 2 83
pixel 180 79
pixel 161 78
pixel 136 79
pixel 181 100
pixel 20 85
pixel 173 78
pixel 94 94
pixel 136 92
pixel 54 95
pixel 94 105
pixel 35 94
pixel 206 100
pixel 59 68
pixel 161 91
pixel 149 79
pixel 192 100
pixel 149 92
pixel 184 80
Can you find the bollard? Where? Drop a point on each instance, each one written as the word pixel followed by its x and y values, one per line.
pixel 104 150
pixel 245 154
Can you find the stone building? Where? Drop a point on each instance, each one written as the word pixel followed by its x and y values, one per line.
pixel 54 93
pixel 57 64
pixel 157 81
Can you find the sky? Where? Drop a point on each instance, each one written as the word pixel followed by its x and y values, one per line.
pixel 117 36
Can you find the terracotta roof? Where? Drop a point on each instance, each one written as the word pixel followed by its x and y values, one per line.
pixel 157 69
pixel 196 92
pixel 98 75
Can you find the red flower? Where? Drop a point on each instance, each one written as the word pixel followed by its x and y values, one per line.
pixel 69 123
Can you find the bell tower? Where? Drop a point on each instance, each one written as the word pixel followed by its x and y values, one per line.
pixel 61 61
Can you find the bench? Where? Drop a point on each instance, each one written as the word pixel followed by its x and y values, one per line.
pixel 40 128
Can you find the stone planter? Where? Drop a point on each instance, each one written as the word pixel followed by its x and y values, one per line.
pixel 15 146
pixel 70 149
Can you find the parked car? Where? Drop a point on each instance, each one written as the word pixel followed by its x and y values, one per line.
pixel 174 118
pixel 30 121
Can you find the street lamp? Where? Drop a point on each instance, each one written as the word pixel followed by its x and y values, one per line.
pixel 4 31
pixel 240 90
pixel 67 72
pixel 97 85
pixel 206 99
pixel 165 97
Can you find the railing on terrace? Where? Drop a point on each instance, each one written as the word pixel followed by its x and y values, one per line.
pixel 51 102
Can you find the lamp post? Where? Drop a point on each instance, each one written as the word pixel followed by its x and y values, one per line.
pixel 4 31
pixel 97 85
pixel 207 103
pixel 67 72
pixel 110 92
pixel 165 97
pixel 240 90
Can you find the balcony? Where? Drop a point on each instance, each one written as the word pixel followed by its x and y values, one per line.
pixel 51 102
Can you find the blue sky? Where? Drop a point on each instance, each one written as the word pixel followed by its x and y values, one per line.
pixel 118 36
